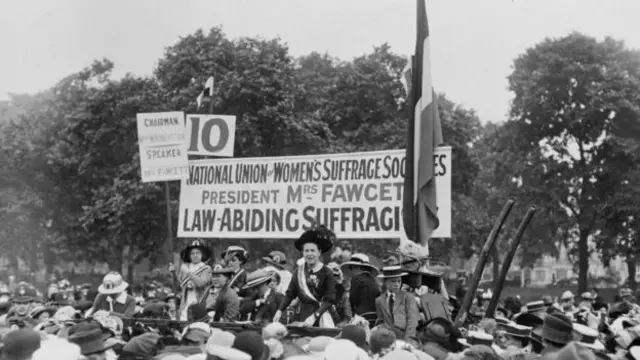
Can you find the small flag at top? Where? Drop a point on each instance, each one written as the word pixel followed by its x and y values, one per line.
pixel 420 212
pixel 207 91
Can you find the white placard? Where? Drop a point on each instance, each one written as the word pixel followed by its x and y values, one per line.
pixel 161 141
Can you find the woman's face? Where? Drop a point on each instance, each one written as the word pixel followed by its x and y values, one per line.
pixel 311 253
pixel 234 262
pixel 44 317
pixel 196 256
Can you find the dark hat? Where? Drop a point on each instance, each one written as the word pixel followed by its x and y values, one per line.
pixel 90 342
pixel 86 286
pixel 21 344
pixel 276 258
pixel 238 251
pixel 381 338
pixel 24 293
pixel 392 272
pixel 528 319
pixel 535 306
pixel 356 334
pixel 219 269
pixel 35 313
pixel 547 300
pixel 516 330
pixel 251 342
pixel 320 236
pixel 196 244
pixel 557 328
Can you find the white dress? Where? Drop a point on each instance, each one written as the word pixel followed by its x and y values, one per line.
pixel 191 295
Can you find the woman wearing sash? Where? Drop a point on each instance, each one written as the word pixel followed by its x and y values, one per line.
pixel 313 283
pixel 234 258
pixel 194 275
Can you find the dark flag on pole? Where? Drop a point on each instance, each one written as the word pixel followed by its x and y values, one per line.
pixel 207 91
pixel 420 213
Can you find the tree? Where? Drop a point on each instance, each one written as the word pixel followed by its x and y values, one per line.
pixel 26 196
pixel 363 108
pixel 94 163
pixel 569 94
pixel 255 80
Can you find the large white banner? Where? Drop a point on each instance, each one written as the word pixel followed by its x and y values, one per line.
pixel 162 145
pixel 357 195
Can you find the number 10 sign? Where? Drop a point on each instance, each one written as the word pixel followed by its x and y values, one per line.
pixel 212 135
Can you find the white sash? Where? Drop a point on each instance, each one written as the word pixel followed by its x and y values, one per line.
pixel 193 272
pixel 235 277
pixel 326 321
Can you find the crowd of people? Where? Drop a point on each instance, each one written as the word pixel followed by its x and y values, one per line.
pixel 347 309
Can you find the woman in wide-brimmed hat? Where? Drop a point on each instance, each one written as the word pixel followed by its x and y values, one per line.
pixel 313 282
pixel 234 258
pixel 194 275
pixel 364 287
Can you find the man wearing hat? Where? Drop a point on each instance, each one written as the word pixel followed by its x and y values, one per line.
pixel 313 282
pixel 278 261
pixel 234 258
pixel 113 297
pixel 263 302
pixel 221 302
pixel 397 309
pixel 364 287
pixel 557 331
pixel 22 304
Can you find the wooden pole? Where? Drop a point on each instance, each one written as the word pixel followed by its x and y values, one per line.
pixel 477 274
pixel 506 264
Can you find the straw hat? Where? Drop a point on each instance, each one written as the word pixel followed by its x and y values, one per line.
pixel 360 260
pixel 113 283
pixel 389 272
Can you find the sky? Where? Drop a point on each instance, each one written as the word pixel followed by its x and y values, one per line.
pixel 473 42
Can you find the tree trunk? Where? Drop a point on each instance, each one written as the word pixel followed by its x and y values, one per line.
pixel 495 264
pixel 583 261
pixel 631 269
